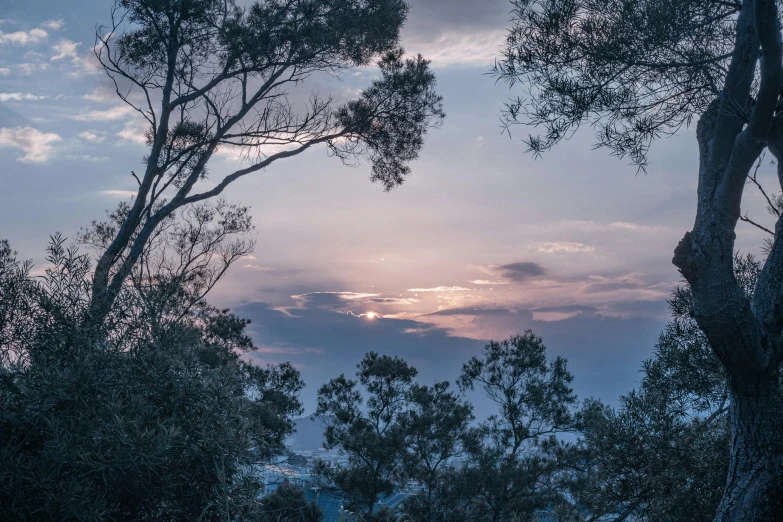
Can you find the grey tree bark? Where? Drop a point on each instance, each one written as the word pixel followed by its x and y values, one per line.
pixel 745 333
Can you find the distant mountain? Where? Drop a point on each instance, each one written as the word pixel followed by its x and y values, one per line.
pixel 309 435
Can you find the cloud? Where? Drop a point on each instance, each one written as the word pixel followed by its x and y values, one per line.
pixel 487 282
pixel 567 247
pixel 54 25
pixel 115 113
pixel 439 289
pixel 478 49
pixel 36 145
pixel 472 311
pixel 331 298
pixel 428 16
pixel 23 37
pixel 135 131
pixel 89 136
pixel 29 68
pixel 518 271
pixel 19 96
pixel 394 300
pixel 86 157
pixel 119 193
pixel 604 352
pixel 325 343
pixel 630 226
pixel 613 226
pixel 603 284
pixel 102 94
pixel 90 65
pixel 66 49
pixel 5 71
pixel 257 267
pixel 553 316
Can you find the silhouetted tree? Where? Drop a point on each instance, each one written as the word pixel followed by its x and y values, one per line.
pixel 515 471
pixel 438 427
pixel 364 418
pixel 636 70
pixel 209 74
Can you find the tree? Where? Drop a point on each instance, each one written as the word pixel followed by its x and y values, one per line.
pixel 208 74
pixel 288 504
pixel 636 70
pixel 163 420
pixel 438 426
pixel 181 262
pixel 514 472
pixel 371 432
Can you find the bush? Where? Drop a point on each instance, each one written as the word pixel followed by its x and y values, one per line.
pixel 144 423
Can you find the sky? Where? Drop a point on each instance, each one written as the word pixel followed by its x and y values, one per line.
pixel 482 242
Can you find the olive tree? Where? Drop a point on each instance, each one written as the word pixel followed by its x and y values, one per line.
pixel 210 74
pixel 636 70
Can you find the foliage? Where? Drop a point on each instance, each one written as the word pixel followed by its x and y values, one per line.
pixel 516 470
pixel 288 504
pixel 633 70
pixel 207 75
pixel 165 421
pixel 367 425
pixel 184 258
pixel 663 454
pixel 439 428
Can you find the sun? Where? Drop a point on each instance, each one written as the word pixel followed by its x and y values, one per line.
pixel 371 315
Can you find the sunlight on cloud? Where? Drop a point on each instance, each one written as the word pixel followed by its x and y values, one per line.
pixel 549 317
pixel 35 144
pixel 632 226
pixel 348 296
pixel 118 193
pixel 440 289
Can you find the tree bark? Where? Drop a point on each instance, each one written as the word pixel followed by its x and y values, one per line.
pixel 754 489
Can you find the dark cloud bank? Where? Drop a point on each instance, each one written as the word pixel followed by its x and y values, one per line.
pixel 603 352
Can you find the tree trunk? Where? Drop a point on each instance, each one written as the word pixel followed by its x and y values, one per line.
pixel 754 488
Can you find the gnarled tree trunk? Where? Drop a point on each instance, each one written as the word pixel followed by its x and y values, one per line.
pixel 744 331
pixel 754 490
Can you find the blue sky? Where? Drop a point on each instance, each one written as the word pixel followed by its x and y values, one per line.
pixel 483 241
